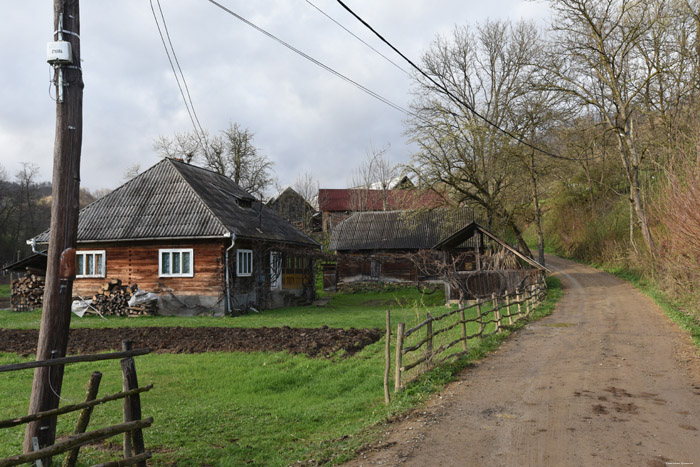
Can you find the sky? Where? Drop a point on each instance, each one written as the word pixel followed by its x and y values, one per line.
pixel 305 119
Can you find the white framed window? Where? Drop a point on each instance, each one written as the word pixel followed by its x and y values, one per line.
pixel 178 262
pixel 90 263
pixel 244 263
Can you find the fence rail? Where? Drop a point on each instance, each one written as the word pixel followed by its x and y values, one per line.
pixel 132 426
pixel 432 341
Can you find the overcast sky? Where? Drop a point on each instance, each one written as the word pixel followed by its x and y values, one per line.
pixel 304 118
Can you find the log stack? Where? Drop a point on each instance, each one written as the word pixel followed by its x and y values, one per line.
pixel 113 299
pixel 27 293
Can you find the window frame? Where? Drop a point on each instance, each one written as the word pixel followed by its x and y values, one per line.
pixel 248 271
pixel 170 252
pixel 85 254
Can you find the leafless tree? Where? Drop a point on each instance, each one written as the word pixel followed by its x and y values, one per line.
pixel 601 54
pixel 230 153
pixel 486 69
pixel 374 175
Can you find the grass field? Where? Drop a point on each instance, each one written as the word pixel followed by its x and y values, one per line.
pixel 261 408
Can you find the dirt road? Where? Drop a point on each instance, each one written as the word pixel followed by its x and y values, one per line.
pixel 607 379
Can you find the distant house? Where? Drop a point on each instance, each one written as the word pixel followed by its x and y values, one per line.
pixel 197 239
pixel 293 208
pixel 337 205
pixel 383 246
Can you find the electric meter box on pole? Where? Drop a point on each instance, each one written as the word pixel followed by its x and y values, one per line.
pixel 58 53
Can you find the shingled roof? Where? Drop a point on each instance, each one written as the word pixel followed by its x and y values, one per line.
pixel 173 199
pixel 398 230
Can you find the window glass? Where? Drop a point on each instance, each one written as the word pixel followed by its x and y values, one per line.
pixel 80 265
pixel 186 256
pixel 165 263
pixel 176 262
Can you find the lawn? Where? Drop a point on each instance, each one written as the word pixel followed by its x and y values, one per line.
pixel 263 408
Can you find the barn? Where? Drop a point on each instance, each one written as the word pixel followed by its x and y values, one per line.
pixel 418 246
pixel 195 238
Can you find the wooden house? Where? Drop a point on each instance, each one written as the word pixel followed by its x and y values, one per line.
pixel 396 246
pixel 197 239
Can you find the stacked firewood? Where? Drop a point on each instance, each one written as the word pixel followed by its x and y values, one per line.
pixel 27 293
pixel 113 299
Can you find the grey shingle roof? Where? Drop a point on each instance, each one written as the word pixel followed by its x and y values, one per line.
pixel 177 200
pixel 396 230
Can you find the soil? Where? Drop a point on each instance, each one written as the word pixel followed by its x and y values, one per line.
pixel 314 342
pixel 607 379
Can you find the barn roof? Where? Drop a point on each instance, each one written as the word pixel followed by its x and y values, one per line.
pixel 356 199
pixel 398 230
pixel 173 199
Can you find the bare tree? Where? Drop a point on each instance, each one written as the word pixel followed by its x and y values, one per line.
pixel 374 175
pixel 132 171
pixel 601 55
pixel 486 69
pixel 230 153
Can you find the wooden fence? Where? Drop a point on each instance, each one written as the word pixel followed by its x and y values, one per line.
pixel 438 339
pixel 134 450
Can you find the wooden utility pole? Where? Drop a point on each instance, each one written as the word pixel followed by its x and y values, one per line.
pixel 60 271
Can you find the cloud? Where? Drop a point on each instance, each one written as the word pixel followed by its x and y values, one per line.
pixel 304 118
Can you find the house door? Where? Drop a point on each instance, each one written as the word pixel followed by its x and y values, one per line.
pixel 275 270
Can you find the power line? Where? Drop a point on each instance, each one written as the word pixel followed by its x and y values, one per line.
pixel 189 105
pixel 447 91
pixel 311 59
pixel 358 38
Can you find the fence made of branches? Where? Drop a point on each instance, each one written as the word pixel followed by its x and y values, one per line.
pixel 445 337
pixel 133 449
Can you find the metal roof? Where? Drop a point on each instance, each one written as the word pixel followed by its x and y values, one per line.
pixel 173 199
pixel 398 230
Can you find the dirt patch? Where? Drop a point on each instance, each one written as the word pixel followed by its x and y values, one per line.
pixel 314 342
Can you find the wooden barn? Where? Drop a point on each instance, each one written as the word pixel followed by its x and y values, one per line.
pixel 338 204
pixel 197 239
pixel 292 207
pixel 418 246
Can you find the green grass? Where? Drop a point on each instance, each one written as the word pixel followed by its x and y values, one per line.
pixel 5 290
pixel 343 311
pixel 262 408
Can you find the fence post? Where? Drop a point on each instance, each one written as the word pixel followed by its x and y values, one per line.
pixel 529 301
pixel 387 363
pixel 520 301
pixel 496 312
pixel 399 351
pixel 481 321
pixel 133 404
pixel 429 344
pixel 463 317
pixel 510 316
pixel 84 417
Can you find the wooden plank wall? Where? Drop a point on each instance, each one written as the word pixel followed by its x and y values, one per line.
pixel 137 262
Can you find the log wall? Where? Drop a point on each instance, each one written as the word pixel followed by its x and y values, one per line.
pixel 137 262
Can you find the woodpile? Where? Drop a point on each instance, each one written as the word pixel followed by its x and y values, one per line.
pixel 113 299
pixel 27 293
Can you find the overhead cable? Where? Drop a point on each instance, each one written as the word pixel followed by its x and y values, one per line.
pixel 189 105
pixel 311 59
pixel 449 93
pixel 358 38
